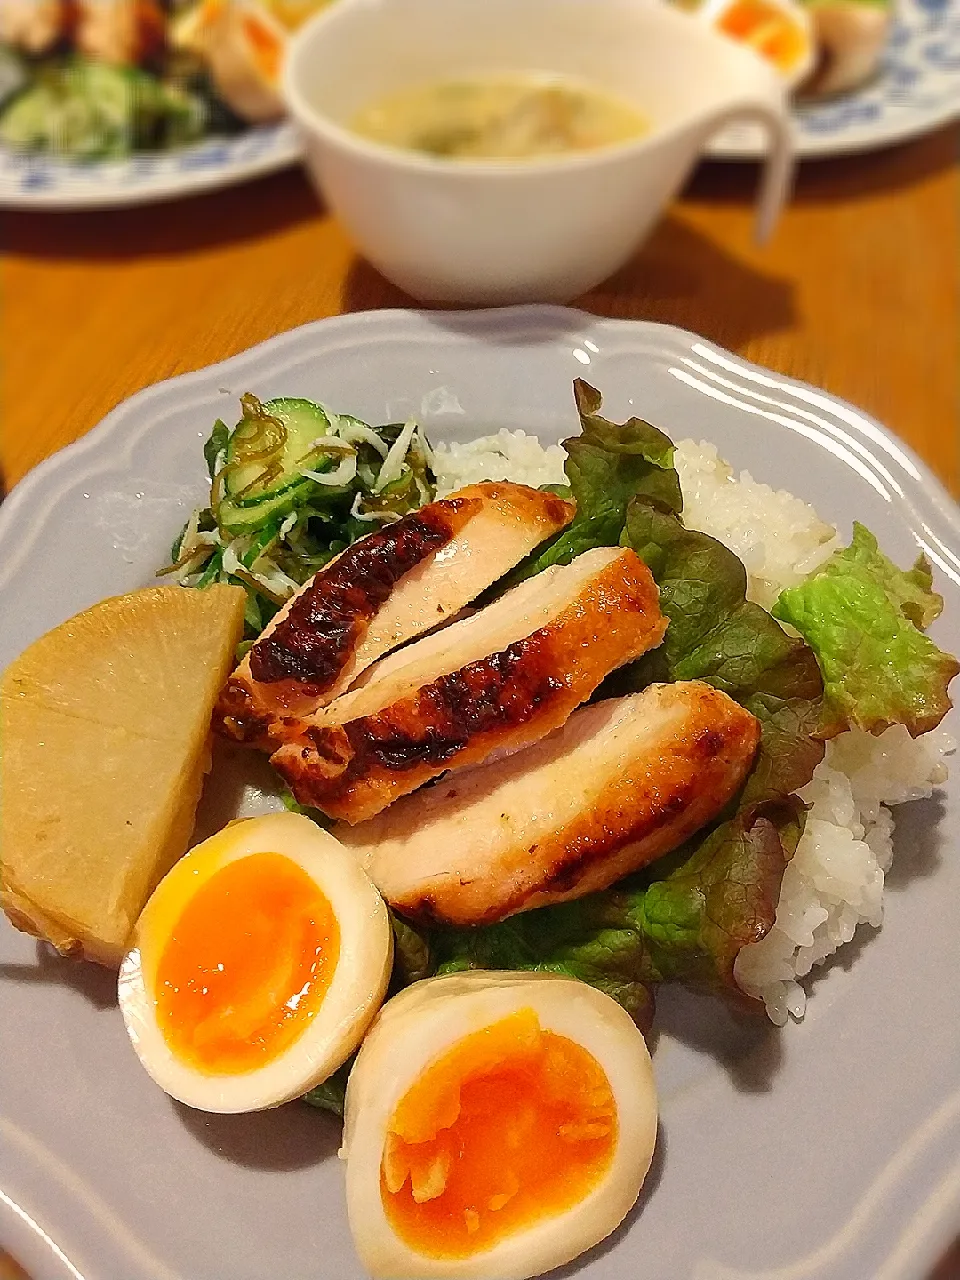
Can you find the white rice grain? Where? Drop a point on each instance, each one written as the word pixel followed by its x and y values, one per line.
pixel 779 538
pixel 834 882
pixel 509 455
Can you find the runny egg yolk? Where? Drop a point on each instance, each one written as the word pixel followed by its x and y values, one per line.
pixel 513 1125
pixel 246 966
pixel 767 28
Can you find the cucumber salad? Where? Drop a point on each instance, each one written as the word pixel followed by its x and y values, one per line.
pixel 292 485
pixel 103 79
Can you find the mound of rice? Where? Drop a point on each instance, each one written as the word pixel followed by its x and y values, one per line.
pixel 834 882
pixel 779 538
pixel 509 455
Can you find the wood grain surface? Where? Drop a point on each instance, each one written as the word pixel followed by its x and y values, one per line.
pixel 859 293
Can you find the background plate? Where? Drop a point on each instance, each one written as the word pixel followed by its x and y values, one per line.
pixel 916 90
pixel 51 182
pixel 828 1151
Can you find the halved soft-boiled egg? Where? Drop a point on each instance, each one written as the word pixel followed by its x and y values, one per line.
pixel 244 45
pixel 257 965
pixel 779 30
pixel 497 1125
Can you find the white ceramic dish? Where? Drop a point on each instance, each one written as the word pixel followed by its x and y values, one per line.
pixel 828 1151
pixel 545 230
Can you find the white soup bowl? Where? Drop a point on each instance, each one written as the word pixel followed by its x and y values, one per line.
pixel 502 231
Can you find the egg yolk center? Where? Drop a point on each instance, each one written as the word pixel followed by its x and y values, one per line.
pixel 513 1125
pixel 266 48
pixel 767 28
pixel 246 966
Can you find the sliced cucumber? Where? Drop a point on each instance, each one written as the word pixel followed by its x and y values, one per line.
pixel 235 519
pixel 262 481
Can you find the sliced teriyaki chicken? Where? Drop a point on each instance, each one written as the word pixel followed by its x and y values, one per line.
pixel 494 682
pixel 386 589
pixel 621 784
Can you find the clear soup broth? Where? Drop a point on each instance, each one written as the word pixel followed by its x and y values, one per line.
pixel 502 117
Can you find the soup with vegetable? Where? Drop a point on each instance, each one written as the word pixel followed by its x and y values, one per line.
pixel 504 117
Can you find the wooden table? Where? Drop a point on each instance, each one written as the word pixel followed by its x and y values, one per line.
pixel 859 293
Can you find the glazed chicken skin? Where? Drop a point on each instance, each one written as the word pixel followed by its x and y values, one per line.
pixel 494 682
pixel 622 783
pixel 383 591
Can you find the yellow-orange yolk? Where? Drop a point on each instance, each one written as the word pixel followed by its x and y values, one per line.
pixel 267 49
pixel 767 28
pixel 513 1125
pixel 246 966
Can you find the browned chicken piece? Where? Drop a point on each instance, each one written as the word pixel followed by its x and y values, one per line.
pixel 386 589
pixel 33 25
pixel 494 682
pixel 122 32
pixel 621 784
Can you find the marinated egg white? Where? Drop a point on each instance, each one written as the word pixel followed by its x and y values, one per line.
pixel 256 967
pixel 244 45
pixel 497 1125
pixel 781 31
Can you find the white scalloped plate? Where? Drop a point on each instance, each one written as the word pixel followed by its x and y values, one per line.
pixel 828 1151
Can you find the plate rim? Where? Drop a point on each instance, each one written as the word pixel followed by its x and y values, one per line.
pixel 73 192
pixel 923 492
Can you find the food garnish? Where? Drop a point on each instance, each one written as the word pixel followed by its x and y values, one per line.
pixel 256 966
pixel 106 723
pixel 865 619
pixel 293 485
pixel 496 1125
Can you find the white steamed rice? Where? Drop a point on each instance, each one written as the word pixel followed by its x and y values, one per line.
pixel 509 455
pixel 834 882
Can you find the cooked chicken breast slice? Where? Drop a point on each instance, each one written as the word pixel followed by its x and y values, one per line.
pixel 386 589
pixel 33 25
pixel 493 682
pixel 621 784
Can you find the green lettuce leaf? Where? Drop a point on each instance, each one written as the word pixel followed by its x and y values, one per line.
pixel 717 635
pixel 330 1095
pixel 607 465
pixel 863 617
pixel 586 940
pixel 215 448
pixel 715 896
pixel 412 957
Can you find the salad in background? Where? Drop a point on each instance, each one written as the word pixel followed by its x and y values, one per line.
pixel 100 79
